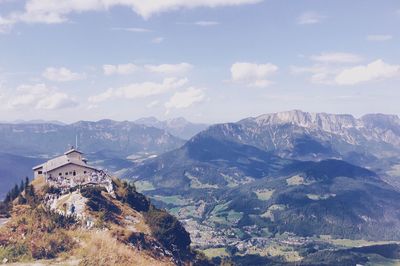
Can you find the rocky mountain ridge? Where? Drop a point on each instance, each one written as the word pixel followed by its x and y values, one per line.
pixel 378 127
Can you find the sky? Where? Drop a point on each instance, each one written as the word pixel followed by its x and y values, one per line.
pixel 206 60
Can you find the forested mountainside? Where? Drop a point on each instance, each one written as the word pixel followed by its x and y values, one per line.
pixel 309 175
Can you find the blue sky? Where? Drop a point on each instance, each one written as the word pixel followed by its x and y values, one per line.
pixel 209 61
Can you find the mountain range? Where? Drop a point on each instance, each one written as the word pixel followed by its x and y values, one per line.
pixel 237 184
pixel 126 138
pixel 297 172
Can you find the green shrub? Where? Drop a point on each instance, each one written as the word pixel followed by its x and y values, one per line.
pixel 126 193
pixel 48 246
pixel 14 252
pixel 98 203
pixel 168 230
pixel 4 209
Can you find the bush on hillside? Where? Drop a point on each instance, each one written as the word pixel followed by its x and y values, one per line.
pixel 98 203
pixel 4 209
pixel 126 193
pixel 168 230
pixel 14 252
pixel 50 245
pixel 35 233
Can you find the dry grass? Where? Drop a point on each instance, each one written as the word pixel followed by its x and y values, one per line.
pixel 350 243
pixel 288 253
pixel 39 183
pixel 141 226
pixel 265 194
pixel 102 249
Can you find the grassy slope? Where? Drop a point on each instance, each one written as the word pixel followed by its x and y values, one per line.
pixel 35 234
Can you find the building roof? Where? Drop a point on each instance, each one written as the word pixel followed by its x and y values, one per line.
pixel 72 150
pixel 38 166
pixel 62 160
pixel 72 162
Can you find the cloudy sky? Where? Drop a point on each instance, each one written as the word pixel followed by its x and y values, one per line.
pixel 206 60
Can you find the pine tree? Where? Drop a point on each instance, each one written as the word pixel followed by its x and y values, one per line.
pixel 21 186
pixel 14 192
pixel 8 197
pixel 26 182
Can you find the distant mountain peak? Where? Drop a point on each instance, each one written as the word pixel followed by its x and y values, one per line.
pixel 147 120
pixel 178 126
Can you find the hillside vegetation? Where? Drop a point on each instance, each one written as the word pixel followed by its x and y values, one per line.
pixel 120 229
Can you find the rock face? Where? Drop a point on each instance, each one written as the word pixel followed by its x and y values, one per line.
pixel 304 135
pixel 372 127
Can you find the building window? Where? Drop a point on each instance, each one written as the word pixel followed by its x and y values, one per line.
pixel 60 174
pixel 74 173
pixel 40 172
pixel 84 172
pixel 66 173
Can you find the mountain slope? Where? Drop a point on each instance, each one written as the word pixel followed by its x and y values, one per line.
pixel 372 141
pixel 91 226
pixel 245 192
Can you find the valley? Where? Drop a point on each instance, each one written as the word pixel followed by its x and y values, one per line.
pixel 281 186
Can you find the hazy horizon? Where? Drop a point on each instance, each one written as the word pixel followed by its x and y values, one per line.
pixel 18 121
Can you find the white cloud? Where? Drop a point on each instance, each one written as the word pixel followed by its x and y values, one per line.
pixel 39 96
pixel 102 97
pixel 310 18
pixel 138 30
pixel 56 100
pixel 337 57
pixel 327 66
pixel 254 75
pixel 206 23
pixel 153 104
pixel 379 38
pixel 170 69
pixel 376 70
pixel 139 90
pixel 5 25
pixel 146 89
pixel 320 74
pixel 157 40
pixel 61 74
pixel 185 98
pixel 50 11
pixel 122 69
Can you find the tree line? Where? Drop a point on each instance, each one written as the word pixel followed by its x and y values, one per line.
pixel 24 192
